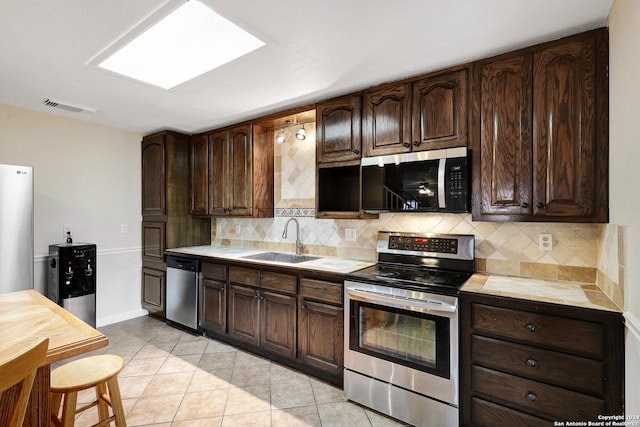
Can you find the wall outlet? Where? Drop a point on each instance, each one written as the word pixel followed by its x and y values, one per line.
pixel 124 228
pixel 545 241
pixel 238 228
pixel 67 231
pixel 350 234
pixel 218 228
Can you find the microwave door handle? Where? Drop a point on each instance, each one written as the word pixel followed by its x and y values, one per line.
pixel 442 201
pixel 403 302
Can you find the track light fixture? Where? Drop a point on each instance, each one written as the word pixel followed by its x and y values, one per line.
pixel 280 139
pixel 301 134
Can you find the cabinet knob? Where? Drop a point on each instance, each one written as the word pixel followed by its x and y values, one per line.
pixel 416 143
pixel 531 327
pixel 531 397
pixel 540 205
pixel 356 151
pixel 524 205
pixel 406 144
pixel 532 363
pixel 303 307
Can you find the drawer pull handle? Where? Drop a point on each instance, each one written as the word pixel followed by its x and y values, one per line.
pixel 532 363
pixel 532 397
pixel 531 327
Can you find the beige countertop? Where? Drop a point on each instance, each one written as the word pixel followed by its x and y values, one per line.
pixel 321 263
pixel 551 291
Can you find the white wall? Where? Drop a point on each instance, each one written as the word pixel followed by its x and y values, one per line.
pixel 624 69
pixel 86 176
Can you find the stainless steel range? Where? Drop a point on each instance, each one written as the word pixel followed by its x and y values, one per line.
pixel 401 327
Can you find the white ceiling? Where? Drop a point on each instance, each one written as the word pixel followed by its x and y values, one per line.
pixel 315 50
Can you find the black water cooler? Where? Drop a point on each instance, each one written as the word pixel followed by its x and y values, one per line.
pixel 72 279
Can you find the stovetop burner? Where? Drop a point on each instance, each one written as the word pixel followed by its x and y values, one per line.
pixel 431 263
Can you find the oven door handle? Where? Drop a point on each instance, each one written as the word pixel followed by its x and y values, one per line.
pixel 402 302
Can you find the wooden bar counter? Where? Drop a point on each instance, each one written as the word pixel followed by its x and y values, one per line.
pixel 27 316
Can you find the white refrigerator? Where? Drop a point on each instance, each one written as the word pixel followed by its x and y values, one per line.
pixel 16 228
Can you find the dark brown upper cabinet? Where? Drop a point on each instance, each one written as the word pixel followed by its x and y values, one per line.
pixel 440 111
pixel 153 176
pixel 506 149
pixel 386 120
pixel 338 130
pixel 200 175
pixel 427 114
pixel 541 153
pixel 232 173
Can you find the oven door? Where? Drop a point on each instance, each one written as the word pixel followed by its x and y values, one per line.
pixel 405 341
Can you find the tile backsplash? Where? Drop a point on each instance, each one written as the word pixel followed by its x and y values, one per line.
pixel 588 253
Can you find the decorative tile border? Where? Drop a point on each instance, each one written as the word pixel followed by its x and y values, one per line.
pixel 295 212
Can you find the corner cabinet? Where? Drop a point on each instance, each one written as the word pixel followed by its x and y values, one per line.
pixel 542 146
pixel 532 363
pixel 232 175
pixel 426 114
pixel 166 222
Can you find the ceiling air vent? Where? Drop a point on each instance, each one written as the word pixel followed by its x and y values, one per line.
pixel 54 103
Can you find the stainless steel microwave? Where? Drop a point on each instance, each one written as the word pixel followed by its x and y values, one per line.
pixel 425 181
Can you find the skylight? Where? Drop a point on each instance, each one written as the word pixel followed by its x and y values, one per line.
pixel 188 42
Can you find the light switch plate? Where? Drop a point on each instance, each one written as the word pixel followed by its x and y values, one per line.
pixel 545 241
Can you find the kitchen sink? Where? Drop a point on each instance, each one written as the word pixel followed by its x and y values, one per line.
pixel 280 257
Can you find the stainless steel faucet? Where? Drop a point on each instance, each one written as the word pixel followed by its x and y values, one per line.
pixel 299 244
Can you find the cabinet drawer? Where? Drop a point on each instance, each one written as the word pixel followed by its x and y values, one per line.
pixel 214 271
pixel 321 290
pixel 548 366
pixel 534 397
pixel 575 336
pixel 286 283
pixel 245 276
pixel 487 414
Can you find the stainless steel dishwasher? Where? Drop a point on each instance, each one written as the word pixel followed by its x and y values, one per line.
pixel 183 283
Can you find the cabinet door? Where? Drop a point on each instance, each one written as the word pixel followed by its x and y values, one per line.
pixel 564 122
pixel 321 338
pixel 153 176
pixel 153 291
pixel 153 241
pixel 278 329
pixel 200 175
pixel 338 135
pixel 386 121
pixel 440 111
pixel 214 314
pixel 241 179
pixel 218 172
pixel 243 313
pixel 505 136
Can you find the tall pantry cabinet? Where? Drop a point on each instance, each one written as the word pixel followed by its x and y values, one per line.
pixel 166 222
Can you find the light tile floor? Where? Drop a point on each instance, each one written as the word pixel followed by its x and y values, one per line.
pixel 173 378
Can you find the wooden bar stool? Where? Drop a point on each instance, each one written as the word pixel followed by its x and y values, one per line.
pixel 100 372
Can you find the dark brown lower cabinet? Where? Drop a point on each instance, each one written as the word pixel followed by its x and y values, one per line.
pixel 321 325
pixel 321 343
pixel 278 323
pixel 243 313
pixel 213 312
pixel 295 319
pixel 153 291
pixel 530 363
